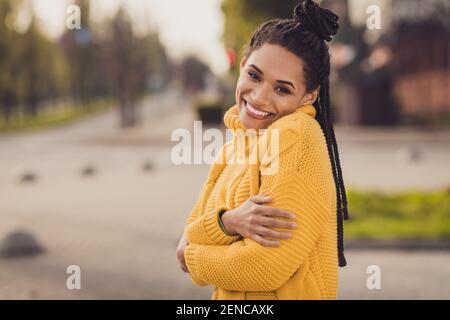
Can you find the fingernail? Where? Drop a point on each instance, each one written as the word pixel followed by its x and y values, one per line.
pixel 292 215
pixel 294 225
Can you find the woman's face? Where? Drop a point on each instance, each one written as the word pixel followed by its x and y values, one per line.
pixel 271 85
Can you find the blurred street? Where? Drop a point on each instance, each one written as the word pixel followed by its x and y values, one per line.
pixel 121 224
pixel 385 159
pixel 92 91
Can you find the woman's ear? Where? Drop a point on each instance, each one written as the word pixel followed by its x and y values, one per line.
pixel 310 97
pixel 243 62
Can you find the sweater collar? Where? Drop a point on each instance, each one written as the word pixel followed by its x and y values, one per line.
pixel 232 121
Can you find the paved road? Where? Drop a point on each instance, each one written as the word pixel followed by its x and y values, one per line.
pixel 122 225
pixel 124 242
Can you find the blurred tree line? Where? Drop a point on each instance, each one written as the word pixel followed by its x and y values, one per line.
pixel 102 60
pixel 242 17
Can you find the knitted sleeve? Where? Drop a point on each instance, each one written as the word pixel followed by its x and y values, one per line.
pixel 206 227
pixel 248 266
pixel 194 214
pixel 202 229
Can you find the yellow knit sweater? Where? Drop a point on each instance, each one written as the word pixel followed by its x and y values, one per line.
pixel 304 266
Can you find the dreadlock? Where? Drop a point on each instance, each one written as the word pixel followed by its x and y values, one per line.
pixel 304 35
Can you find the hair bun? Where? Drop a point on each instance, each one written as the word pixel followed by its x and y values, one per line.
pixel 321 21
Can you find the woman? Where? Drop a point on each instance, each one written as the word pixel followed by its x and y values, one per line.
pixel 256 234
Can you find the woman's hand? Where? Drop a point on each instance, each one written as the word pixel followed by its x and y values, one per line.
pixel 180 253
pixel 253 220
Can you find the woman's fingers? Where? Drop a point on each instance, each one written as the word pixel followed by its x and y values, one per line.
pixel 276 223
pixel 268 233
pixel 261 234
pixel 276 212
pixel 265 242
pixel 264 218
pixel 270 211
pixel 260 199
pixel 184 268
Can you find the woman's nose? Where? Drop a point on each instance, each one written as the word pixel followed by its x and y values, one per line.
pixel 261 95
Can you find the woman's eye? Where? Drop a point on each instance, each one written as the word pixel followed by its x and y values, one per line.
pixel 253 75
pixel 283 90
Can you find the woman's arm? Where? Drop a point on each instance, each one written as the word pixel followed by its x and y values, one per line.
pixel 205 228
pixel 248 266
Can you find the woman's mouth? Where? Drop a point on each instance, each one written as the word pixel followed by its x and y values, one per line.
pixel 256 113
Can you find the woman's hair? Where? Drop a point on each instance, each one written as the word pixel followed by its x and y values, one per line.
pixel 304 35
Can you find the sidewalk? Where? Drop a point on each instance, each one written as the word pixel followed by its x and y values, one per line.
pixel 390 134
pixel 399 244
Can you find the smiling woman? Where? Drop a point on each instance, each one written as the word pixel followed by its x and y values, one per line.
pixel 271 86
pixel 259 235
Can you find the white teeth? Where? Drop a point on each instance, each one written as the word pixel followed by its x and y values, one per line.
pixel 256 112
